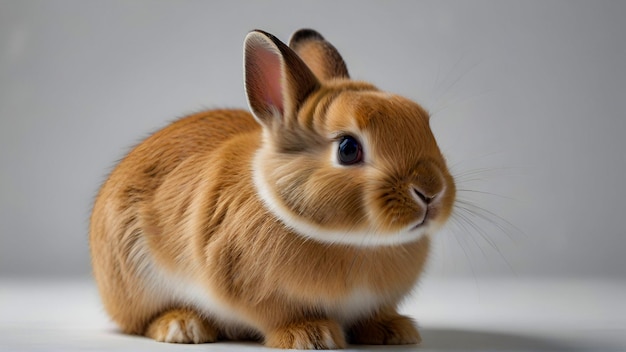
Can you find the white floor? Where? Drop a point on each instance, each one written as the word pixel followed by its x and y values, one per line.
pixel 478 315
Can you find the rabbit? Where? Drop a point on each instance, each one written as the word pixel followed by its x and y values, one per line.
pixel 300 225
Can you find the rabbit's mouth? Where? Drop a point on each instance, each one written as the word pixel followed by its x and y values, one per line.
pixel 421 223
pixel 429 214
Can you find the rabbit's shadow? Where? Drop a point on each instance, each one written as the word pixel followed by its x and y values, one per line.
pixel 469 340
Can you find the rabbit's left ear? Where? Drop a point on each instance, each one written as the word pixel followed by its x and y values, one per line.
pixel 321 56
pixel 277 80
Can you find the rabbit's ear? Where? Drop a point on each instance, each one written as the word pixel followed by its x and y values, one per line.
pixel 277 80
pixel 321 56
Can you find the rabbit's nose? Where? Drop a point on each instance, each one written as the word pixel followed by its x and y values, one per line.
pixel 423 196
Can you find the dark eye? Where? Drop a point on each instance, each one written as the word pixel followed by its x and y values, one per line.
pixel 350 151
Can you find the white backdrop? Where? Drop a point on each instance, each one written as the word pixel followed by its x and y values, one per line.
pixel 527 100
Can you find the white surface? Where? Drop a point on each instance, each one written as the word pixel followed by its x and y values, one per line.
pixel 494 315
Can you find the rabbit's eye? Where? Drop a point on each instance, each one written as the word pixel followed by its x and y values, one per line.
pixel 350 151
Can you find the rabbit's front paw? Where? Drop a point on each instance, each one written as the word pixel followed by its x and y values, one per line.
pixel 385 330
pixel 310 335
pixel 181 326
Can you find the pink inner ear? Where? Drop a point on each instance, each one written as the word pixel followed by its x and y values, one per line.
pixel 269 67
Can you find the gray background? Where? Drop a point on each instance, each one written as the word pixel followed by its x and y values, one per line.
pixel 527 100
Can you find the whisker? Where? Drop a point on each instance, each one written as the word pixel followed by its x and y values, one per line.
pixel 469 70
pixel 491 217
pixel 482 233
pixel 461 224
pixel 469 261
pixel 460 101
pixel 458 61
pixel 436 82
pixel 478 171
pixel 448 89
pixel 477 229
pixel 479 222
pixel 483 192
pixel 474 159
pixel 445 78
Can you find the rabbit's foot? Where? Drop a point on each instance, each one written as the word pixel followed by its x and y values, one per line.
pixel 318 335
pixel 181 326
pixel 392 329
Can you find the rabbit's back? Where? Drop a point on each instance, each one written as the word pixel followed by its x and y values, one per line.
pixel 193 135
pixel 143 170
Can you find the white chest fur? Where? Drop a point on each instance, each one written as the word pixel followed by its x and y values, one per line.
pixel 360 303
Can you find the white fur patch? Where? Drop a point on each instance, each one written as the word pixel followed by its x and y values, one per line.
pixel 329 341
pixel 166 288
pixel 194 331
pixel 360 303
pixel 175 332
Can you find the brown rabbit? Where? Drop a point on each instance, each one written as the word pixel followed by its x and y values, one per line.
pixel 302 225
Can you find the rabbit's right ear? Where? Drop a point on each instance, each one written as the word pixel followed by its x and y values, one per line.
pixel 277 80
pixel 321 56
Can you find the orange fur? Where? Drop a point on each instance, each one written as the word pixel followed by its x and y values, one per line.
pixel 180 233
